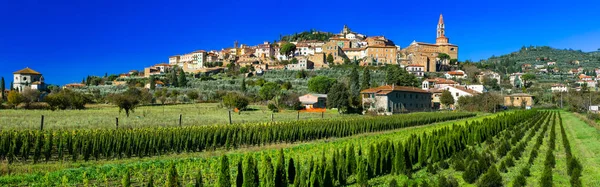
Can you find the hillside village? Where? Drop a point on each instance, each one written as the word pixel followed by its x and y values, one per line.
pixel 427 72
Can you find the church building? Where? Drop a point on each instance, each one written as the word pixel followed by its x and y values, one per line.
pixel 426 54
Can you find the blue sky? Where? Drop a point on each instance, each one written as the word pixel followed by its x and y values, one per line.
pixel 69 39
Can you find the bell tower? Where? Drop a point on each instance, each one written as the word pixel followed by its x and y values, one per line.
pixel 441 32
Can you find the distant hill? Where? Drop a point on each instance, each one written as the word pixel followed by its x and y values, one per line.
pixel 540 55
pixel 307 35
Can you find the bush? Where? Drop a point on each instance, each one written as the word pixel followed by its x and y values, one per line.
pixel 525 171
pixel 458 164
pixel 491 178
pixel 471 174
pixel 510 162
pixel 520 181
pixel 546 179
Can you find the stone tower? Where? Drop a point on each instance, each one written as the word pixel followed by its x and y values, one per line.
pixel 441 32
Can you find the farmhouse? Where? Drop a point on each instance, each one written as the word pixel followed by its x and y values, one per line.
pixel 518 100
pixel 311 101
pixel 28 78
pixel 456 91
pixel 395 99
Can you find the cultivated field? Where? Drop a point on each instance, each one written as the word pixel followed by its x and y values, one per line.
pixel 524 148
pixel 104 116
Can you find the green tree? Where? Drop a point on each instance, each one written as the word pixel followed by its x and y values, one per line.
pixel 398 76
pixel 362 178
pixel 2 88
pixel 192 95
pixel 338 97
pixel 294 61
pixel 126 181
pixel 152 82
pixel 286 85
pixel 182 82
pixel 320 84
pixel 250 172
pixel 366 79
pixel 291 171
pixel 173 78
pixel 280 178
pixel 234 100
pixel 268 172
pixel 224 178
pixel 128 100
pixel 301 74
pixel 354 84
pixel 329 58
pixel 269 90
pixel 491 178
pixel 287 49
pixel 347 61
pixel 243 87
pixel 239 180
pixel 172 176
pixel 199 182
pixel 527 78
pixel 15 98
pixel 447 99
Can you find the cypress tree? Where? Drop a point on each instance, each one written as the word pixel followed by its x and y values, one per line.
pixel 243 87
pixel 126 181
pixel 240 175
pixel 182 81
pixel 268 179
pixel 393 183
pixel 2 88
pixel 250 174
pixel 328 179
pixel 151 181
pixel 291 171
pixel 224 179
pixel 351 161
pixel 12 87
pixel 301 179
pixel 152 82
pixel 280 178
pixel 491 178
pixel 362 177
pixel 173 77
pixel 354 84
pixel 315 180
pixel 366 79
pixel 172 177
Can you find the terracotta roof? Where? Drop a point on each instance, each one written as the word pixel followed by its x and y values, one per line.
pixel 338 39
pixel 28 71
pixel 36 82
pixel 456 73
pixel 441 81
pixel 163 64
pixel 441 21
pixel 159 82
pixel 388 89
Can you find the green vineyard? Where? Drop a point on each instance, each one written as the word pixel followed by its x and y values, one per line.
pixel 73 145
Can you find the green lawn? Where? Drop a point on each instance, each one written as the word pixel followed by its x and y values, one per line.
pixel 104 116
pixel 585 144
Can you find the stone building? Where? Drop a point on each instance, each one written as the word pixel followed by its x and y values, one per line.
pixel 28 78
pixel 426 54
pixel 396 99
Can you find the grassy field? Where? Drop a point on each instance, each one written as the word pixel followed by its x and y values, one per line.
pixel 585 143
pixel 104 116
pixel 206 160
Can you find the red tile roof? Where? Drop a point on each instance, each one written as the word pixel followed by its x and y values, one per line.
pixel 27 71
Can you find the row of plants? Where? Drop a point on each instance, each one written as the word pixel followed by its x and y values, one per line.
pixel 574 167
pixel 521 179
pixel 61 145
pixel 381 160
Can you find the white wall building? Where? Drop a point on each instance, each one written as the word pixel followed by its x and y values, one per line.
pixel 28 79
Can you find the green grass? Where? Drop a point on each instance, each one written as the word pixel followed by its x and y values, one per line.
pixel 104 116
pixel 585 145
pixel 206 160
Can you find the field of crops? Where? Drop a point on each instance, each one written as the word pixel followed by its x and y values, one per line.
pixel 104 116
pixel 530 148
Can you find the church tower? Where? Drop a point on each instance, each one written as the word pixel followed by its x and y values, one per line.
pixel 441 32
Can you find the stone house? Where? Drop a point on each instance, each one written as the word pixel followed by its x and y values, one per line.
pixel 395 99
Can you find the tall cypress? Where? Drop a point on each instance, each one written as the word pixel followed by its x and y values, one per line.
pixel 2 88
pixel 224 179
pixel 351 161
pixel 280 179
pixel 243 87
pixel 173 77
pixel 354 84
pixel 250 173
pixel 240 175
pixel 268 178
pixel 199 182
pixel 182 81
pixel 362 176
pixel 291 171
pixel 172 177
pixel 366 79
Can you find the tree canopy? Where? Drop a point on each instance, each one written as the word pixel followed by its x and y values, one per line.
pixel 269 90
pixel 447 99
pixel 398 76
pixel 320 84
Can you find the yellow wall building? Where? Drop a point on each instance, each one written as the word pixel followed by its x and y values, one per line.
pixel 426 54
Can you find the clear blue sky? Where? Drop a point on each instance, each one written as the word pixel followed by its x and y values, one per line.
pixel 68 39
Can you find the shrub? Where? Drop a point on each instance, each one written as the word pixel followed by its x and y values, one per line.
pixel 471 174
pixel 546 179
pixel 520 181
pixel 510 162
pixel 491 178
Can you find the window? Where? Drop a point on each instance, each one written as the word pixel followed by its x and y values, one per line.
pixel 456 94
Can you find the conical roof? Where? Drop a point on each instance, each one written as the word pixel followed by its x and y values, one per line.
pixel 441 21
